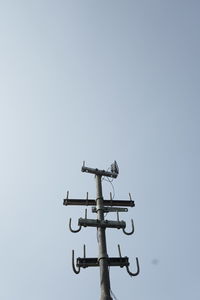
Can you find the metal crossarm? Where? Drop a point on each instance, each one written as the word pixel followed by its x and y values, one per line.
pixel 104 223
pixel 99 172
pixel 91 202
pixel 94 262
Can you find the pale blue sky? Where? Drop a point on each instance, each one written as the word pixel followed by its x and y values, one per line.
pixel 98 81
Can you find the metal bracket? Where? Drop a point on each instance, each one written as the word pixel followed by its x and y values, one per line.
pixel 138 269
pixel 110 209
pixel 127 265
pixel 70 227
pixel 80 226
pixel 76 271
pixel 132 231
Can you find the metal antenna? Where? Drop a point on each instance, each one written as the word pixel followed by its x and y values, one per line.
pixel 103 261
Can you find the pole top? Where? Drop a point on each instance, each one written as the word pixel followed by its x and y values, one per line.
pixel 113 173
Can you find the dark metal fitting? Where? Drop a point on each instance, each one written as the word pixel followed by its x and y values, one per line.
pixel 103 257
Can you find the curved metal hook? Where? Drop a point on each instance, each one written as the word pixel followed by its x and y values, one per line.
pixel 70 227
pixel 132 231
pixel 138 269
pixel 73 265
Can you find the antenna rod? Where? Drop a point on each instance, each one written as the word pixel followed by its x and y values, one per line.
pixel 103 256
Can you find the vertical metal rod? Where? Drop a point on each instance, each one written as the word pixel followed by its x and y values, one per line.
pixel 103 256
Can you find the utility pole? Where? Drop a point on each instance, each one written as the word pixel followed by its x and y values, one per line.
pixel 103 256
pixel 100 207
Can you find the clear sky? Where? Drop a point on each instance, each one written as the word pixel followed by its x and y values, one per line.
pixel 99 81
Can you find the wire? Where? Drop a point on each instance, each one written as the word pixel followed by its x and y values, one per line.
pixel 110 287
pixel 108 170
pixel 97 237
pixel 113 196
pixel 110 180
pixel 113 295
